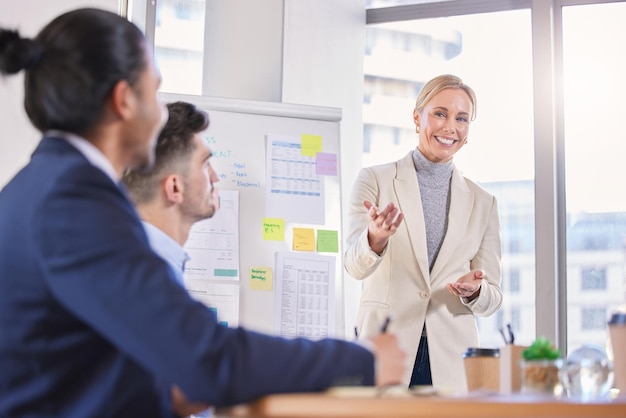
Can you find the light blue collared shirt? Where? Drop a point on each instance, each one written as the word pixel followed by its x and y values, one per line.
pixel 176 256
pixel 168 249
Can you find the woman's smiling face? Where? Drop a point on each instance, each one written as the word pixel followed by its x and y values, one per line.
pixel 443 124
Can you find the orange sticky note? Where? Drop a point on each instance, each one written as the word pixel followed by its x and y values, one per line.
pixel 304 239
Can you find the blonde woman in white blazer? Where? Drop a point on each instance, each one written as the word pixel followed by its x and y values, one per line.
pixel 426 243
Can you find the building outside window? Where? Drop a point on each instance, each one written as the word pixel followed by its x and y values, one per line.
pixel 593 278
pixel 514 281
pixel 593 318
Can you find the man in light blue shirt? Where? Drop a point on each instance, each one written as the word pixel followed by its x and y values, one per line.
pixel 178 190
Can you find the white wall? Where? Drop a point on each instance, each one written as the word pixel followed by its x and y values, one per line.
pixel 17 136
pixel 323 65
pixel 243 49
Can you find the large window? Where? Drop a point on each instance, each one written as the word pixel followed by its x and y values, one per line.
pixel 176 28
pixel 594 64
pixel 492 53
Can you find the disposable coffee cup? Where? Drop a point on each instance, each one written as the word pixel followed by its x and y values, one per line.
pixel 482 368
pixel 617 334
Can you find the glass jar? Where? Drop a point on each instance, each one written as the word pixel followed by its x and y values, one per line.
pixel 587 373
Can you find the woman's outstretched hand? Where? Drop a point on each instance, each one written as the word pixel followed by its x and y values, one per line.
pixel 468 286
pixel 382 223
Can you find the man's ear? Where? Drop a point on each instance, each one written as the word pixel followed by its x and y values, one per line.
pixel 174 188
pixel 122 97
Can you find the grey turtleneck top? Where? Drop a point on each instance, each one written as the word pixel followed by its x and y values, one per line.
pixel 434 183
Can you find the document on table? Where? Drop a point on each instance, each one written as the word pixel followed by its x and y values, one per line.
pixel 305 293
pixel 213 244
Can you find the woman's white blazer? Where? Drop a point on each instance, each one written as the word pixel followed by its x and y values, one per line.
pixel 398 282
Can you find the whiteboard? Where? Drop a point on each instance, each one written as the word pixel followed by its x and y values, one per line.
pixel 237 136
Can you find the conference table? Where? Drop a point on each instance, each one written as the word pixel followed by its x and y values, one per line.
pixel 371 403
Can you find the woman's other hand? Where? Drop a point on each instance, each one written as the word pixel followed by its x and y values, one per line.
pixel 468 286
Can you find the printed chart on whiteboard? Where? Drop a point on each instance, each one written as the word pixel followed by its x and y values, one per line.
pixel 305 294
pixel 222 299
pixel 213 248
pixel 295 190
pixel 213 244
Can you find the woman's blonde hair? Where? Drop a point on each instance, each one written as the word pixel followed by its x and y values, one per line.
pixel 442 82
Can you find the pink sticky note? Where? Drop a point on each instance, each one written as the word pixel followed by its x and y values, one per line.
pixel 326 164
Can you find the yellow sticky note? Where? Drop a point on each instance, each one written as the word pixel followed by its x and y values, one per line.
pixel 311 144
pixel 261 278
pixel 304 239
pixel 273 229
pixel 327 241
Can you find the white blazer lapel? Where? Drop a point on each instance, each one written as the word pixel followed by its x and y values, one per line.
pixel 409 200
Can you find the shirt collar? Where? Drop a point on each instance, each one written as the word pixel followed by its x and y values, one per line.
pixel 166 247
pixel 89 151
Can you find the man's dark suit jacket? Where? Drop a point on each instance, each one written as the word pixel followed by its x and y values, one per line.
pixel 93 323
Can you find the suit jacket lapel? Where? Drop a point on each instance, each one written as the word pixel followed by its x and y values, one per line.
pixel 410 203
pixel 461 201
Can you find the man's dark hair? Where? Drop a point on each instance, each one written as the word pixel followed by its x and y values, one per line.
pixel 173 150
pixel 72 65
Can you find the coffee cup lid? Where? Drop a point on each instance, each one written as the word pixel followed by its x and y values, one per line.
pixel 481 352
pixel 618 318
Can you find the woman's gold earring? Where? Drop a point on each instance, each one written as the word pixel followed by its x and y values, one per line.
pixel 417 129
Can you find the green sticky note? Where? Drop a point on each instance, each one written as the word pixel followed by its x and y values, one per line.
pixel 273 229
pixel 311 144
pixel 327 241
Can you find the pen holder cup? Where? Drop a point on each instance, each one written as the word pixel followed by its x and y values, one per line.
pixel 510 376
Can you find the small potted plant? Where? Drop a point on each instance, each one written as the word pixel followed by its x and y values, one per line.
pixel 540 367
